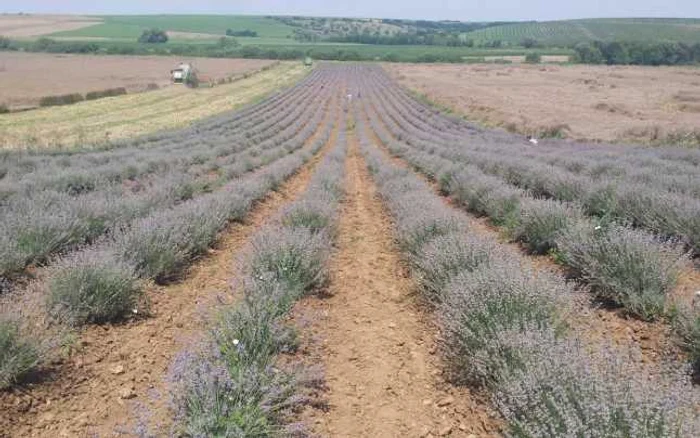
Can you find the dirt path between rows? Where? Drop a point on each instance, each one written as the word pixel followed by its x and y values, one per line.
pixel 376 345
pixel 116 377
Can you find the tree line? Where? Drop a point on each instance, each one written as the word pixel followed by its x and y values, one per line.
pixel 626 53
pixel 611 53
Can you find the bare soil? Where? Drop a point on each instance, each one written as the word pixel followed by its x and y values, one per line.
pixel 30 25
pixel 27 77
pixel 376 345
pixel 606 103
pixel 116 375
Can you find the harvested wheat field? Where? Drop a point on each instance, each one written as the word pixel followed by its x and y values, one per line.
pixel 33 25
pixel 27 77
pixel 106 120
pixel 598 103
pixel 340 259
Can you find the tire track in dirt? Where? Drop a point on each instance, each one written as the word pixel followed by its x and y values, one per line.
pixel 116 374
pixel 377 346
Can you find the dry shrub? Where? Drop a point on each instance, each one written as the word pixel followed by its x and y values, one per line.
pixel 558 130
pixel 686 96
pixel 109 92
pixel 64 99
pixel 690 108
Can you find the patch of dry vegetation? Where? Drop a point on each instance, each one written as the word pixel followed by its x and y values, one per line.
pixel 598 103
pixel 104 120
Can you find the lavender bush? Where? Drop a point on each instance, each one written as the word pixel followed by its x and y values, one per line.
pixel 541 222
pixel 484 307
pixel 18 353
pixel 93 286
pixel 235 388
pixel 564 392
pixel 630 268
pixel 444 257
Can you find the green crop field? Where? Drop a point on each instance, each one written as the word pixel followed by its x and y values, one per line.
pixel 574 31
pixel 274 32
pixel 131 26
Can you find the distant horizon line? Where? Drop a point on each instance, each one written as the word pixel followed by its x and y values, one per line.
pixel 347 16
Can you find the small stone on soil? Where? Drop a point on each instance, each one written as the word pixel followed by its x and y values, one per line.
pixel 445 431
pixel 127 393
pixel 446 401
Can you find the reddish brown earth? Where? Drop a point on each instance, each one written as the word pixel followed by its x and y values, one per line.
pixel 376 344
pixel 26 78
pixel 101 387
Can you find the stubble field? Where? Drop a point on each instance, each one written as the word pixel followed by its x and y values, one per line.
pixel 27 77
pixel 598 103
pixel 99 123
pixel 26 26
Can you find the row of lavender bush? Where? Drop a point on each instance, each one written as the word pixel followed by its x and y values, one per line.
pixel 504 331
pixel 667 167
pixel 663 204
pixel 217 131
pixel 39 224
pixel 103 283
pixel 232 385
pixel 627 267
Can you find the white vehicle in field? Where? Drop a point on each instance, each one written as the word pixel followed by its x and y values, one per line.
pixel 184 73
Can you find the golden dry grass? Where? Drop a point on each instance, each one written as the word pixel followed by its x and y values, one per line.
pixel 585 102
pixel 95 122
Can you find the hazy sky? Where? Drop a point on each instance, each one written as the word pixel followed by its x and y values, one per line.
pixel 475 10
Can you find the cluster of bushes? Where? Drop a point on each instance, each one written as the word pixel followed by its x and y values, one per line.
pixel 69 99
pixel 625 53
pixel 151 36
pixel 504 331
pixel 109 92
pixel 241 33
pixel 232 386
pixel 64 99
pixel 533 58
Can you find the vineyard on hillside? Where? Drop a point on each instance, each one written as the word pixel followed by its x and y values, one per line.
pixel 571 32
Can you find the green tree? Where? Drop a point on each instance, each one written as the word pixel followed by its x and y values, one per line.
pixel 528 43
pixel 587 53
pixel 153 36
pixel 533 58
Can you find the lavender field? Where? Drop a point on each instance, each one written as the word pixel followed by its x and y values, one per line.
pixel 203 251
